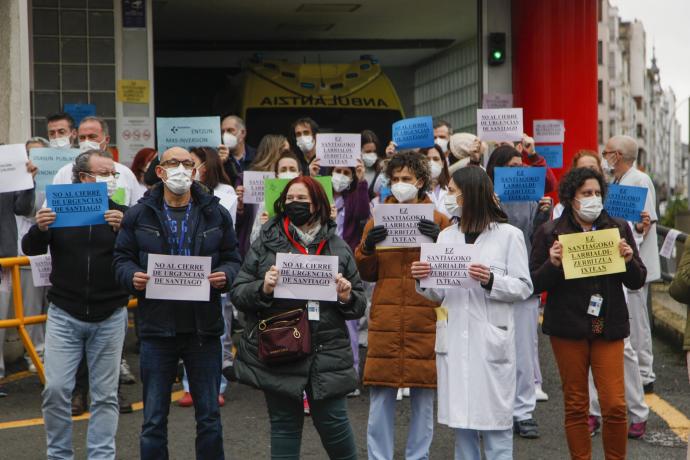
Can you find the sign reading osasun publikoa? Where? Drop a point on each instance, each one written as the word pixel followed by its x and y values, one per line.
pixel 594 253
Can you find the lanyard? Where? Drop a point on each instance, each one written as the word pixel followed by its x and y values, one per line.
pixel 176 241
pixel 298 246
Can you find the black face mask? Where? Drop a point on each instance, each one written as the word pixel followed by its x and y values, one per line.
pixel 298 212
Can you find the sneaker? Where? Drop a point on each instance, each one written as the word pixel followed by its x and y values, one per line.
pixel 78 404
pixel 541 394
pixel 126 377
pixel 593 424
pixel 124 406
pixel 32 368
pixel 648 388
pixel 185 400
pixel 221 400
pixel 406 392
pixel 637 430
pixel 399 396
pixel 3 391
pixel 354 394
pixel 528 429
pixel 307 409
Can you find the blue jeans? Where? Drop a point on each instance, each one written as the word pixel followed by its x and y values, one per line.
pixel 201 358
pixel 67 339
pixel 381 429
pixel 498 444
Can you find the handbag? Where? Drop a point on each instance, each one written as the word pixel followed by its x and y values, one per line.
pixel 285 337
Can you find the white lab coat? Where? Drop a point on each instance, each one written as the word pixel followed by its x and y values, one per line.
pixel 228 199
pixel 475 347
pixel 438 197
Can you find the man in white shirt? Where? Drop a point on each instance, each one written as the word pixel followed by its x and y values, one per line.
pixel 620 154
pixel 93 134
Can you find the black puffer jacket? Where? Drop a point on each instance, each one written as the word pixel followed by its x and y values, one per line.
pixel 329 369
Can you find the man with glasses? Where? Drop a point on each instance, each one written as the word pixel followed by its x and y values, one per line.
pixel 86 316
pixel 178 217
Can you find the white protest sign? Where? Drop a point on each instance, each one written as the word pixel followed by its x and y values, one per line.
pixel 449 265
pixel 13 173
pixel 402 223
pixel 41 266
pixel 178 277
pixel 669 243
pixel 306 277
pixel 338 149
pixel 134 134
pixel 497 101
pixel 549 131
pixel 253 182
pixel 499 125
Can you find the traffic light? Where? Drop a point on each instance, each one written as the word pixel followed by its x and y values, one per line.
pixel 497 48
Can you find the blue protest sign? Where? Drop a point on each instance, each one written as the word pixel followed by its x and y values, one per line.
pixel 187 132
pixel 79 111
pixel 625 201
pixel 49 162
pixel 412 133
pixel 519 184
pixel 553 154
pixel 78 205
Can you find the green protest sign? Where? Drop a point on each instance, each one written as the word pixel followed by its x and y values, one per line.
pixel 274 187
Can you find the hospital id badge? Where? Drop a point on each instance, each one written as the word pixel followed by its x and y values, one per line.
pixel 313 310
pixel 595 305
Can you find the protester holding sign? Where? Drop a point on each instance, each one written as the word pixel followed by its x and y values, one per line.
pixel 587 318
pixel 302 136
pixel 373 158
pixel 527 216
pixel 475 324
pixel 438 189
pixel 301 226
pixel 86 316
pixel 400 351
pixel 61 130
pixel 178 218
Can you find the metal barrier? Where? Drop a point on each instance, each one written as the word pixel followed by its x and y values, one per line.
pixel 20 321
pixel 668 266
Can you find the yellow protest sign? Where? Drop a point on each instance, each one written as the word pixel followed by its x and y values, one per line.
pixel 591 253
pixel 133 91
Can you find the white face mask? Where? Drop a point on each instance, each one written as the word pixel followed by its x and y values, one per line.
pixel 305 143
pixel 340 182
pixel 369 159
pixel 287 175
pixel 85 146
pixel 179 180
pixel 436 169
pixel 452 206
pixel 443 143
pixel 110 181
pixel 404 192
pixel 61 143
pixel 230 140
pixel 590 208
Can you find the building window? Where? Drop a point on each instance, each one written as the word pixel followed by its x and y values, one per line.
pixel 600 52
pixel 600 10
pixel 640 131
pixel 600 132
pixel 600 92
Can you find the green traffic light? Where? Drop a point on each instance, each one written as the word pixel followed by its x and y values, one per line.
pixel 497 55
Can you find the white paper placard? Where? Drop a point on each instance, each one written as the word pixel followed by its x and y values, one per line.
pixel 13 174
pixel 178 277
pixel 449 265
pixel 497 101
pixel 41 266
pixel 549 131
pixel 338 149
pixel 499 125
pixel 134 134
pixel 253 182
pixel 402 223
pixel 669 243
pixel 306 277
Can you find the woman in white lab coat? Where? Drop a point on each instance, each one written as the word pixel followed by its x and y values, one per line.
pixel 475 359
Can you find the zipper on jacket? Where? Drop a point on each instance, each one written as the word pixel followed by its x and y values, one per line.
pixel 88 272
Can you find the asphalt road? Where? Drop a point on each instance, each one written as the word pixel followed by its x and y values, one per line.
pixel 246 428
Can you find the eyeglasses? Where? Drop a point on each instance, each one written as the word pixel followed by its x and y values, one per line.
pixel 114 174
pixel 607 152
pixel 188 164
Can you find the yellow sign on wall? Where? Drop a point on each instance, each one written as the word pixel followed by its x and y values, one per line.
pixel 133 91
pixel 591 253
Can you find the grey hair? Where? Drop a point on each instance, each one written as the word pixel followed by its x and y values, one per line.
pixel 627 146
pixel 81 163
pixel 237 120
pixel 101 121
pixel 37 140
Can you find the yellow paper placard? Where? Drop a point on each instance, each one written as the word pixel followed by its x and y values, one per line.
pixel 591 253
pixel 133 91
pixel 441 313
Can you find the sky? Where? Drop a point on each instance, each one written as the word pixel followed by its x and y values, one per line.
pixel 667 27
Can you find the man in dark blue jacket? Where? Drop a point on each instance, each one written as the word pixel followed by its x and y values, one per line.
pixel 178 217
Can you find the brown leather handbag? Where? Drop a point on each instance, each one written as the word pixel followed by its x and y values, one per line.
pixel 285 337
